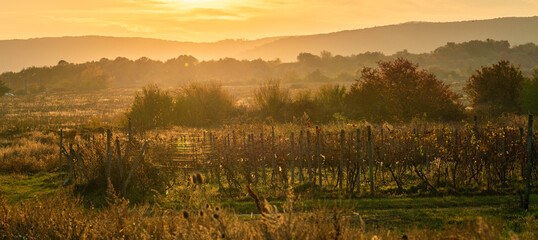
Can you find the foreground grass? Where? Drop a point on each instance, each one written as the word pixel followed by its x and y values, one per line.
pixel 421 212
pixel 415 216
pixel 61 216
pixel 18 187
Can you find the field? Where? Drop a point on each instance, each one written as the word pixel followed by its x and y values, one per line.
pixel 345 180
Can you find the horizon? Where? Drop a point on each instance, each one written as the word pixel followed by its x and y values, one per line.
pixel 268 37
pixel 217 20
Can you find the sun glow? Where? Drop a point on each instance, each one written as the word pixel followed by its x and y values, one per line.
pixel 199 3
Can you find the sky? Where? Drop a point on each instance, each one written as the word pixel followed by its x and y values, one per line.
pixel 213 20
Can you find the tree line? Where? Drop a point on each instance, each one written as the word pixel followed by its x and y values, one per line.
pixel 394 91
pixel 452 64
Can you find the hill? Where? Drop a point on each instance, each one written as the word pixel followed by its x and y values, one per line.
pixel 18 54
pixel 415 37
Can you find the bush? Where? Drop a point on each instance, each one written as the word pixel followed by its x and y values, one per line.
pixel 202 104
pixel 151 108
pixel 3 89
pixel 303 103
pixel 272 100
pixel 330 100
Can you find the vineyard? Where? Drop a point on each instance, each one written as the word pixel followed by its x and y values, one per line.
pixel 357 160
pixel 430 158
pixel 356 180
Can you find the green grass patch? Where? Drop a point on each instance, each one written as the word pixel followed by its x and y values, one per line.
pixel 420 212
pixel 18 187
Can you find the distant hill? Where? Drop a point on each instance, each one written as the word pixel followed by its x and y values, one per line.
pixel 18 54
pixel 416 37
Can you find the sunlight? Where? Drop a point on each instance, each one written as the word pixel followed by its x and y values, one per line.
pixel 199 3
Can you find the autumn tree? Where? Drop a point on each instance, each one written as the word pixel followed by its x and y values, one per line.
pixel 399 91
pixel 495 89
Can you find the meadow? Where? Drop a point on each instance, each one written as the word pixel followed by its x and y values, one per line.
pixel 424 180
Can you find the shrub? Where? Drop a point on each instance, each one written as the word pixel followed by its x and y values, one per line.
pixel 3 89
pixel 202 104
pixel 330 100
pixel 151 108
pixel 303 102
pixel 272 100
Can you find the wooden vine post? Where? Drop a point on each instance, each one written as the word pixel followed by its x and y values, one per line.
pixel 264 174
pixel 308 158
pixel 109 155
pixel 358 159
pixel 318 156
pixel 61 146
pixel 529 163
pixel 120 163
pixel 292 158
pixel 273 160
pixel 341 165
pixel 371 159
pixel 301 155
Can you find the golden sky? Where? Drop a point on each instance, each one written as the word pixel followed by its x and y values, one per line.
pixel 211 20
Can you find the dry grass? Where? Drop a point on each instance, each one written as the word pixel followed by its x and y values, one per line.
pixel 35 152
pixel 63 217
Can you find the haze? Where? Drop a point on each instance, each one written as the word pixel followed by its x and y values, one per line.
pixel 211 20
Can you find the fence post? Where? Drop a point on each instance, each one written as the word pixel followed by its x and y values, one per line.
pixel 371 159
pixel 109 154
pixel 292 158
pixel 254 158
pixel 318 144
pixel 308 157
pixel 120 163
pixel 358 159
pixel 61 146
pixel 382 156
pixel 301 156
pixel 341 165
pixel 521 134
pixel 130 175
pixel 129 131
pixel 237 163
pixel 529 162
pixel 70 158
pixel 273 160
pixel 264 175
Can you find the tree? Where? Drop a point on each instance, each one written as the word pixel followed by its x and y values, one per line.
pixel 3 89
pixel 495 89
pixel 398 91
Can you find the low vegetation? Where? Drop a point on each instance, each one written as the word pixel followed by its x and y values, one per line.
pixel 281 156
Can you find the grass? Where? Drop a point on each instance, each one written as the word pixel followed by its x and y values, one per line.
pixel 18 187
pixel 391 213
